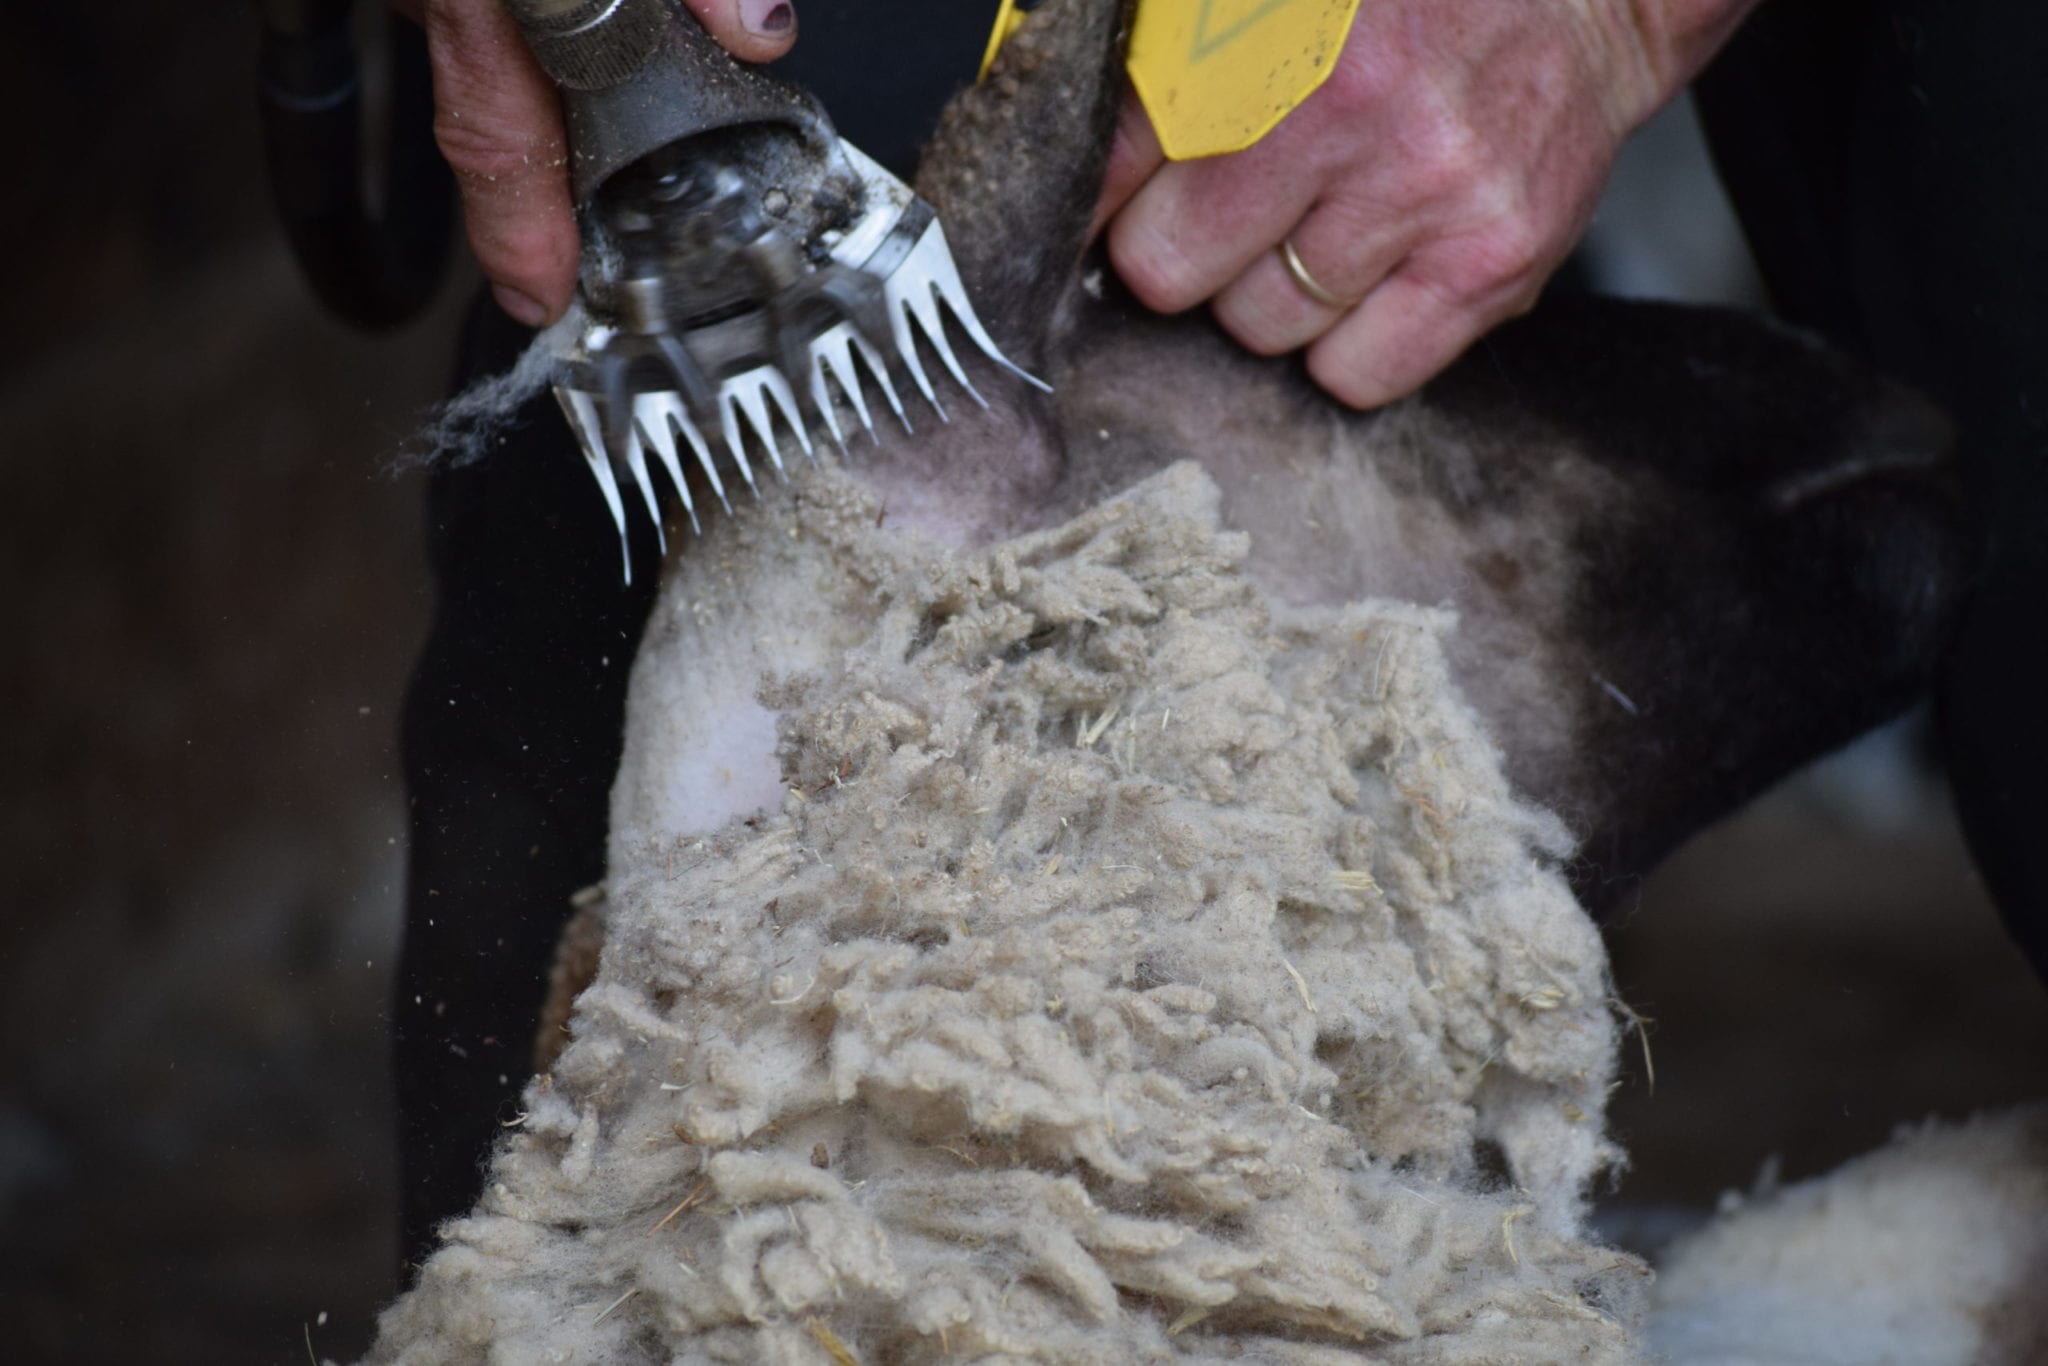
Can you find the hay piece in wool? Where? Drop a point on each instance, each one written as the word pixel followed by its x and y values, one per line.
pixel 1162 976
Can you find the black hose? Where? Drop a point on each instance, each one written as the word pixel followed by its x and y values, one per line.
pixel 379 269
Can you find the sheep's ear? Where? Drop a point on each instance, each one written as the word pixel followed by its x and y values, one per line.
pixel 1016 165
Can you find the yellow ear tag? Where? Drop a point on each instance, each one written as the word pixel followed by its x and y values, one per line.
pixel 1217 75
pixel 1007 20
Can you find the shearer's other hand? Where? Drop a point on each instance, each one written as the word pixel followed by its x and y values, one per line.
pixel 499 124
pixel 1422 195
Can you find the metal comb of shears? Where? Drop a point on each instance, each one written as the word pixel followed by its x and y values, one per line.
pixel 752 284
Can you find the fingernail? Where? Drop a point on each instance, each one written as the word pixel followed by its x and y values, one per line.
pixel 768 18
pixel 522 308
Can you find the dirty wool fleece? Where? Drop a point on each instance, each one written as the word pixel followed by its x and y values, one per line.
pixel 1133 971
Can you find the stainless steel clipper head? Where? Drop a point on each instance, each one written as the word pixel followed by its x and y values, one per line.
pixel 748 277
pixel 718 340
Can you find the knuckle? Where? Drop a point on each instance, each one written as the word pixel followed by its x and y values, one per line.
pixel 1258 329
pixel 1360 86
pixel 1353 211
pixel 1443 156
pixel 1155 270
pixel 1355 235
pixel 1503 248
pixel 1346 378
pixel 1520 243
pixel 483 148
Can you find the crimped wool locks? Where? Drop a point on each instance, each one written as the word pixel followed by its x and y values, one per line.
pixel 1136 971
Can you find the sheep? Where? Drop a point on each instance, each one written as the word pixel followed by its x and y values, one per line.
pixel 1932 1250
pixel 1096 881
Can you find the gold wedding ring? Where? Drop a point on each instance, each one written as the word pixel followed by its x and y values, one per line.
pixel 1309 284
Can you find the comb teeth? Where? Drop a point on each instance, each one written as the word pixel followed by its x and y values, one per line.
pixel 756 406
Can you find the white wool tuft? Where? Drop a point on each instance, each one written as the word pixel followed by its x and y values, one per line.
pixel 1932 1251
pixel 1137 972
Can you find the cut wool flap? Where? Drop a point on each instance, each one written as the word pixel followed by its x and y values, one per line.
pixel 1137 971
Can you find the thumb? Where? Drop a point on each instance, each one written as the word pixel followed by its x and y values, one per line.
pixel 752 30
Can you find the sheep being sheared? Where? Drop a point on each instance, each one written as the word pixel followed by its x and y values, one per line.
pixel 1061 903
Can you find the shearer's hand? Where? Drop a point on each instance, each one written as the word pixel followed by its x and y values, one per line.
pixel 1427 190
pixel 499 123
